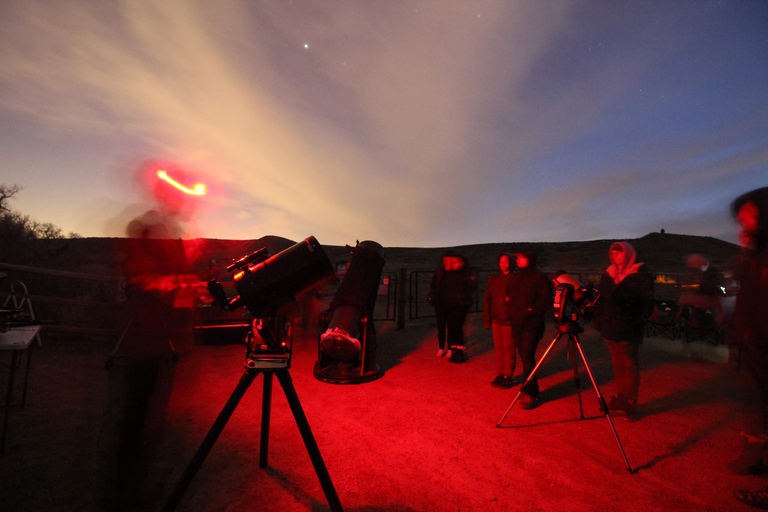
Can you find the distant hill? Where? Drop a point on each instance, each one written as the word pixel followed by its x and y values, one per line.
pixel 661 252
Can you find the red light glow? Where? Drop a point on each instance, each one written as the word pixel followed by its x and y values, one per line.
pixel 197 190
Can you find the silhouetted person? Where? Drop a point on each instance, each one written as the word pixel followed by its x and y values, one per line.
pixel 158 282
pixel 451 291
pixel 703 309
pixel 435 298
pixel 529 296
pixel 496 317
pixel 750 336
pixel 626 302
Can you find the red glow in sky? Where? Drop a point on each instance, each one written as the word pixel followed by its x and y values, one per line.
pixel 198 189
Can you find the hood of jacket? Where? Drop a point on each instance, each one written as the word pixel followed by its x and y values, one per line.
pixel 629 267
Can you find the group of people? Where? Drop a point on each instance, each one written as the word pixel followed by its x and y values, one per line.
pixel 518 296
pixel 515 302
pixel 514 305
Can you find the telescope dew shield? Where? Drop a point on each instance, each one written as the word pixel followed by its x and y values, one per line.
pixel 268 284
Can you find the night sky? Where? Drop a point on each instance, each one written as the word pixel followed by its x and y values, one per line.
pixel 411 123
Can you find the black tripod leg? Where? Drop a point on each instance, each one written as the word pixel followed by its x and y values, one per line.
pixel 530 377
pixel 576 377
pixel 266 409
pixel 210 439
pixel 601 400
pixel 309 441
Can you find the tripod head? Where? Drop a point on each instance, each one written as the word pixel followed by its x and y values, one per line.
pixel 571 327
pixel 269 343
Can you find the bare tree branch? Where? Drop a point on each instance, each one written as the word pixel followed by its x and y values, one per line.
pixel 7 192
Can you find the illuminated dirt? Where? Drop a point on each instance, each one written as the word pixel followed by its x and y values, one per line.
pixel 421 438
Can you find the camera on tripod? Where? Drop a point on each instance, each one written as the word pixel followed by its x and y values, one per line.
pixel 265 283
pixel 572 299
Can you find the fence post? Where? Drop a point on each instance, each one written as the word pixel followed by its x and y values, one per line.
pixel 401 299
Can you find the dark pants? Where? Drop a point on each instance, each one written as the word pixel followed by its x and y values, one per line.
pixel 752 380
pixel 504 347
pixel 442 318
pixel 456 315
pixel 626 370
pixel 138 393
pixel 526 338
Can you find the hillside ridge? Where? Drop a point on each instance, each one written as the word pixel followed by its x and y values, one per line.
pixel 662 252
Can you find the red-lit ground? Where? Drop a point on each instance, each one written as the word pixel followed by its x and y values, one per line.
pixel 421 438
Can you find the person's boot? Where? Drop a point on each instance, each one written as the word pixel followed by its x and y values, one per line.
pixel 528 402
pixel 617 405
pixel 508 382
pixel 630 412
pixel 458 355
pixel 498 381
pixel 757 499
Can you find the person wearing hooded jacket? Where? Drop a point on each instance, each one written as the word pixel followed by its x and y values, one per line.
pixel 750 337
pixel 530 295
pixel 496 318
pixel 626 302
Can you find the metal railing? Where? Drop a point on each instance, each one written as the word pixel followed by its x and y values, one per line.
pixel 89 303
pixel 70 302
pixel 668 286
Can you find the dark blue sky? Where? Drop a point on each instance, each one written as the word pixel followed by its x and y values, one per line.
pixel 409 123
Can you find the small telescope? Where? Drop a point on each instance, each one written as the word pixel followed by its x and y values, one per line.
pixel 569 291
pixel 264 283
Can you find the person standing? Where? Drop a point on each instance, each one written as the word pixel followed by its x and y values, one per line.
pixel 451 291
pixel 496 317
pixel 530 295
pixel 437 301
pixel 626 302
pixel 750 335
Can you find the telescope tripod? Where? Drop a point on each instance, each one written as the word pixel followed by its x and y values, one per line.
pixel 572 329
pixel 252 368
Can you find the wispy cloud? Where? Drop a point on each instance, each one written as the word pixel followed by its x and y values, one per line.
pixel 412 123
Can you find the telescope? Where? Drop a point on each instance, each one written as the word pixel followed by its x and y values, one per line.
pixel 570 292
pixel 264 283
pixel 347 347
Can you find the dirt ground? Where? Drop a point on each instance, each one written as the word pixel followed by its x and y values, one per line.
pixel 423 437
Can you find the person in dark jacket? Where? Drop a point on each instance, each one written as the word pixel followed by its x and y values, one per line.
pixel 626 302
pixel 496 318
pixel 750 336
pixel 451 291
pixel 530 295
pixel 435 299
